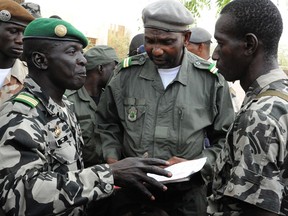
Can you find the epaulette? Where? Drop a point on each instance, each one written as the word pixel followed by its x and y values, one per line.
pixel 131 60
pixel 206 65
pixel 26 99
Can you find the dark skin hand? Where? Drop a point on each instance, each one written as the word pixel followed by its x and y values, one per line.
pixel 175 160
pixel 172 160
pixel 132 172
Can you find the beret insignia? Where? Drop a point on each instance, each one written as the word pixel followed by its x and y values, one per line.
pixel 5 15
pixel 60 30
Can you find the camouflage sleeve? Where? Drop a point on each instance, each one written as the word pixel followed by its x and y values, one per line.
pixel 30 180
pixel 259 142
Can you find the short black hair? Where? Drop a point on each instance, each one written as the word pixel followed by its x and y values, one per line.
pixel 36 45
pixel 260 17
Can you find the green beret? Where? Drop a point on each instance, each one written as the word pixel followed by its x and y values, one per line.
pixel 54 29
pixel 167 15
pixel 12 12
pixel 100 55
pixel 199 35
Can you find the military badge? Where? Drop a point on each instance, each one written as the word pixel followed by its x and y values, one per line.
pixel 132 114
pixel 5 15
pixel 57 131
pixel 60 30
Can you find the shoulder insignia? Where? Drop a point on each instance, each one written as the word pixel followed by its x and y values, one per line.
pixel 126 62
pixel 206 65
pixel 132 60
pixel 212 68
pixel 26 99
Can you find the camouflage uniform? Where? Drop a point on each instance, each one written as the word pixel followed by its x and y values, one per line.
pixel 256 151
pixel 139 118
pixel 40 153
pixel 14 81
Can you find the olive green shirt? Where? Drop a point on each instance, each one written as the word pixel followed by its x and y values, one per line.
pixel 137 117
pixel 85 107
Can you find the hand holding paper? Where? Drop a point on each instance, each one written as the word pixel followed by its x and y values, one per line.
pixel 181 171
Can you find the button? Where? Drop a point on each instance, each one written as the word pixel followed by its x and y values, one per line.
pixel 108 187
pixel 142 59
pixel 145 155
pixel 230 188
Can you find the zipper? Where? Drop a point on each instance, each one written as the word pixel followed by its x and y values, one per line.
pixel 181 116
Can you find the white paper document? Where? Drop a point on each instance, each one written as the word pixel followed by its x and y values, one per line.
pixel 181 171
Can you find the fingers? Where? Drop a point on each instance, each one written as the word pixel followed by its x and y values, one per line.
pixel 156 170
pixel 148 181
pixel 142 188
pixel 155 161
pixel 175 160
pixel 132 173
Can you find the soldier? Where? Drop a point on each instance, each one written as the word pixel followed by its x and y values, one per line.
pixel 13 20
pixel 199 42
pixel 41 165
pixel 166 104
pixel 101 61
pixel 32 8
pixel 136 44
pixel 253 165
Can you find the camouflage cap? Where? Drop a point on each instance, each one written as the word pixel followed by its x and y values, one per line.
pixel 167 15
pixel 54 29
pixel 199 35
pixel 100 55
pixel 32 8
pixel 12 12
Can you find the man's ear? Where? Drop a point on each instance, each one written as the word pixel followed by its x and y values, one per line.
pixel 39 60
pixel 100 69
pixel 251 43
pixel 187 38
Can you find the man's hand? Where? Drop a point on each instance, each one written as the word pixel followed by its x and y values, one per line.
pixel 132 172
pixel 111 160
pixel 175 160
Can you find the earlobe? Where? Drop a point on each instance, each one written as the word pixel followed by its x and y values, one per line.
pixel 39 60
pixel 187 38
pixel 100 69
pixel 251 43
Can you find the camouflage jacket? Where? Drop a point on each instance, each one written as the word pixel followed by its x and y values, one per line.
pixel 13 83
pixel 41 167
pixel 256 151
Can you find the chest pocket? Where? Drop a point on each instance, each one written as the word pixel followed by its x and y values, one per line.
pixel 62 149
pixel 87 125
pixel 134 112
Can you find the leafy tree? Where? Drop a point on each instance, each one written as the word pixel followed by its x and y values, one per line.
pixel 119 40
pixel 195 6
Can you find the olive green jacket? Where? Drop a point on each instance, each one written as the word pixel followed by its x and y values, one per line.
pixel 85 108
pixel 136 116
